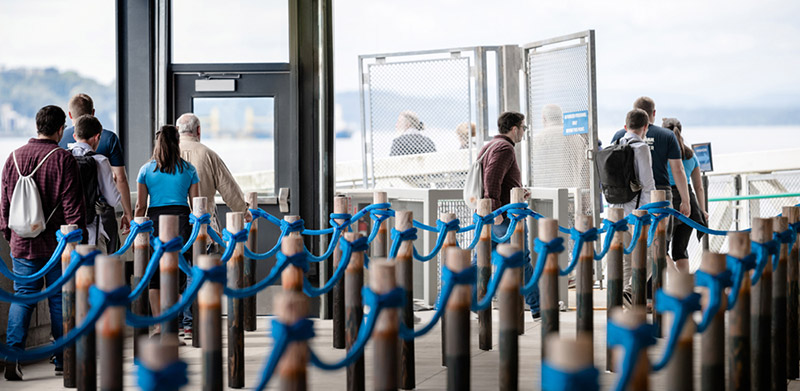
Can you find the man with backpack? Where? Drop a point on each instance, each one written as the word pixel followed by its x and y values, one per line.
pixel 96 177
pixel 49 175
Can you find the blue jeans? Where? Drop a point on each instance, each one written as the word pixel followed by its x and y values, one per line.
pixel 532 298
pixel 19 315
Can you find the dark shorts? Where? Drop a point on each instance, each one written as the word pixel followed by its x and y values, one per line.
pixel 184 230
pixel 682 232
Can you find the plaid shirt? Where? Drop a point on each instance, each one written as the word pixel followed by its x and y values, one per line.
pixel 60 188
pixel 500 170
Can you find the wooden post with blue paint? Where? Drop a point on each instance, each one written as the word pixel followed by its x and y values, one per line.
pixel 354 312
pixel 792 213
pixel 712 348
pixel 291 307
pixel 584 284
pixel 340 205
pixel 739 320
pixel 384 336
pixel 518 239
pixel 449 241
pixel 85 348
pixel 614 273
pixel 659 258
pixel 68 309
pixel 639 266
pixel 249 304
pixel 680 369
pixel 508 301
pixel 761 315
pixel 778 329
pixel 404 271
pixel 209 302
pixel 457 312
pixel 111 325
pixel 140 306
pixel 199 208
pixel 483 251
pixel 548 283
pixel 235 269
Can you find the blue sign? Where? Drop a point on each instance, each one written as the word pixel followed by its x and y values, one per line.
pixel 576 122
pixel 703 154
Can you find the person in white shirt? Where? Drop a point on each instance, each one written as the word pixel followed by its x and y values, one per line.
pixel 636 123
pixel 87 136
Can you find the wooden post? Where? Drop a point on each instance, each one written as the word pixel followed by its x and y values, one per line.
pixel 483 251
pixel 292 276
pixel 614 273
pixel 679 370
pixel 291 307
pixel 354 312
pixel 199 208
pixel 458 330
pixel 384 336
pixel 449 241
pixel 659 259
pixel 235 266
pixel 157 355
pixel 292 219
pixel 168 230
pixel 249 268
pixel 518 239
pixel 85 350
pixel 712 351
pixel 761 315
pixel 739 320
pixel 639 266
pixel 140 306
pixel 209 302
pixel 632 319
pixel 548 284
pixel 779 281
pixel 792 213
pixel 568 355
pixel 379 246
pixel 68 309
pixel 111 326
pixel 508 300
pixel 340 204
pixel 404 269
pixel 584 281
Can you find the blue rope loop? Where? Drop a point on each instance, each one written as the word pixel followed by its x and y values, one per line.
pixel 610 228
pixel 284 334
pixel 300 260
pixel 468 276
pixel 590 235
pixel 632 341
pixel 344 261
pixel 716 285
pixel 231 239
pixel 295 226
pixel 171 246
pixel 543 249
pixel 359 245
pixel 637 223
pixel 516 260
pixel 449 280
pixel 395 298
pixel 651 234
pixel 203 219
pixel 399 237
pixel 55 258
pixel 556 380
pixel 84 260
pixel 682 310
pixel 738 268
pixel 169 378
pixel 340 216
pixel 70 237
pixel 261 213
pixel 764 252
pixel 787 237
pixel 136 229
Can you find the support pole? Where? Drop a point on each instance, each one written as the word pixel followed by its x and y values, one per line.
pixel 209 301
pixel 249 268
pixel 404 270
pixel 199 208
pixel 739 320
pixel 379 246
pixel 483 251
pixel 354 312
pixel 779 281
pixel 340 204
pixel 291 307
pixel 568 355
pixel 639 267
pixel 548 284
pixel 457 312
pixel 792 213
pixel 168 269
pixel 712 348
pixel 659 259
pixel 584 281
pixel 384 336
pixel 680 369
pixel 235 266
pixel 140 306
pixel 449 241
pixel 292 276
pixel 518 239
pixel 507 299
pixel 157 355
pixel 111 325
pixel 85 350
pixel 631 319
pixel 761 315
pixel 68 309
pixel 614 273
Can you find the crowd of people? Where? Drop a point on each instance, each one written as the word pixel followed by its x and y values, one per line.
pixel 81 178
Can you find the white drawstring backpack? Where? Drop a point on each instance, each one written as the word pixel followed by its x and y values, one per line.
pixel 26 217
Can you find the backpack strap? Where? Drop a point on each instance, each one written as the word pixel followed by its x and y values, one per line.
pixel 41 162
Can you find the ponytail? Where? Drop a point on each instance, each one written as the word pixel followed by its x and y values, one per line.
pixel 167 152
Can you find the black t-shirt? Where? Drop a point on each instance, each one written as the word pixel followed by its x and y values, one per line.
pixel 663 146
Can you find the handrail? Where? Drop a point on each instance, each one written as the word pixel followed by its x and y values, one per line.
pixel 754 197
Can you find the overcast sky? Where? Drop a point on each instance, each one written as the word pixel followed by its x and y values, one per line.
pixel 719 53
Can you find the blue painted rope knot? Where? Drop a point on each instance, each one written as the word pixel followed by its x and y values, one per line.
pixel 300 260
pixel 171 246
pixel 590 235
pixel 283 334
pixel 764 252
pixel 83 260
pixel 295 226
pixel 610 228
pixel 70 237
pixel 359 245
pixel 103 299
pixel 239 237
pixel 682 309
pixel 651 234
pixel 738 268
pixel 524 212
pixel 787 237
pixel 217 274
pixel 395 298
pixel 169 378
pixel 145 226
pixel 632 341
pixel 637 223
pixel 399 237
pixel 514 260
pixel 261 213
pixel 468 276
pixel 203 219
pixel 556 380
pixel 340 216
pixel 716 285
pixel 543 249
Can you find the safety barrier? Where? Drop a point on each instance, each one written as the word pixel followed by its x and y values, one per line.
pixel 465 287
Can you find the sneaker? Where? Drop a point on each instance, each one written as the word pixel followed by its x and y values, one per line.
pixel 180 332
pixel 13 371
pixel 60 370
pixel 187 332
pixel 536 315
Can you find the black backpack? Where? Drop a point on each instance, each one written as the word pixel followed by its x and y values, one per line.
pixel 87 166
pixel 616 165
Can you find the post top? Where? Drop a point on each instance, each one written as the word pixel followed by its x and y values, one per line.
pixel 206 262
pixel 291 245
pixel 457 259
pixel 548 229
pixel 567 354
pixel 678 284
pixel 507 249
pixel 739 244
pixel 713 263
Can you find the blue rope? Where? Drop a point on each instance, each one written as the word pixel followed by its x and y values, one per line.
pixel 283 334
pixel 788 238
pixel 55 258
pixel 379 216
pixel 159 248
pixel 261 213
pixel 337 233
pixel 557 380
pixel 637 223
pixel 443 228
pixel 136 229
pixel 516 260
pixel 230 242
pixel 662 207
pixel 632 341
pixel 651 235
pixel 449 279
pixel 738 268
pixel 610 228
pixel 76 261
pixel 283 261
pixel 716 285
pixel 543 249
pixel 400 237
pixel 682 310
pixel 478 222
pixel 197 222
pixel 764 252
pixel 170 378
pixel 348 248
pixel 580 238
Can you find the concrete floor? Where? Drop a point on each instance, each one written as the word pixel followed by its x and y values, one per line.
pixel 430 375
